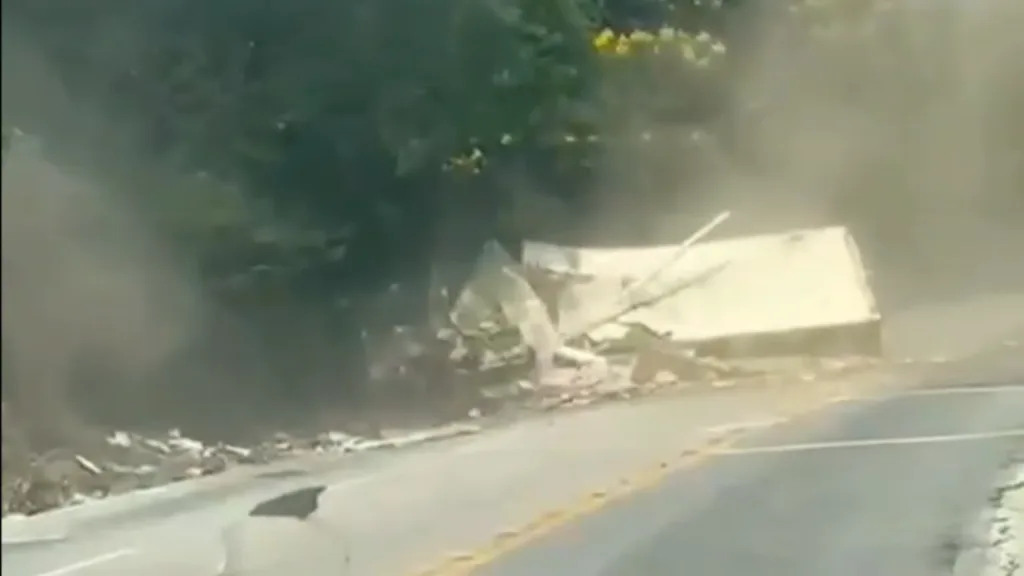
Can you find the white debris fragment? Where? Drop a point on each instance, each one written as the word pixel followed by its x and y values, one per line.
pixel 185 444
pixel 526 385
pixel 157 445
pixel 119 438
pixel 664 377
pixel 88 465
pixel 237 450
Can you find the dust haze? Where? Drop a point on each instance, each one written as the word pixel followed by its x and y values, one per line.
pixel 911 133
pixel 92 301
pixel 914 139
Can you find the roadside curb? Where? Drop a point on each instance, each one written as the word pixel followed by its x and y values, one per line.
pixel 1006 533
pixel 993 543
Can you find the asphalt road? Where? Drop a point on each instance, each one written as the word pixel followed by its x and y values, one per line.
pixel 881 488
pixel 874 486
pixel 391 513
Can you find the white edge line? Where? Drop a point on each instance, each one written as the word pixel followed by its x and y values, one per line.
pixel 875 442
pixel 89 562
pixel 989 389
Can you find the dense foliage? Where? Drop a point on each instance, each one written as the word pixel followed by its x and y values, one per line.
pixel 354 123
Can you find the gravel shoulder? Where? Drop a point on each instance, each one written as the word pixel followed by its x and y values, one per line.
pixel 1001 528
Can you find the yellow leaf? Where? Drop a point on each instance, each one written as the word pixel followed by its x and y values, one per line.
pixel 688 52
pixel 641 37
pixel 604 39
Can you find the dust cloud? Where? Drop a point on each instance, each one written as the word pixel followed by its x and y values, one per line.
pixel 92 303
pixel 911 133
pixel 908 127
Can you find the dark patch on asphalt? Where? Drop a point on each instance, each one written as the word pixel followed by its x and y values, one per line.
pixel 298 504
pixel 950 547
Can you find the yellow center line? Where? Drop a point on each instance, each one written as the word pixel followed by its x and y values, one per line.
pixel 463 564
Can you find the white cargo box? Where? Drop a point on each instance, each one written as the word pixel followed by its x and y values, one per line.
pixel 801 291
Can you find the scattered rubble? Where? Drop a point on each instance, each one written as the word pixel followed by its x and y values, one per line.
pixel 571 326
pixel 559 328
pixel 132 462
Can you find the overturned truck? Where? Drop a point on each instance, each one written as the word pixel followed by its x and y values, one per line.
pixel 796 293
pixel 802 292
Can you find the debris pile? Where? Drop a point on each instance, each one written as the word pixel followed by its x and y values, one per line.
pixel 131 462
pixel 570 326
pixel 555 328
